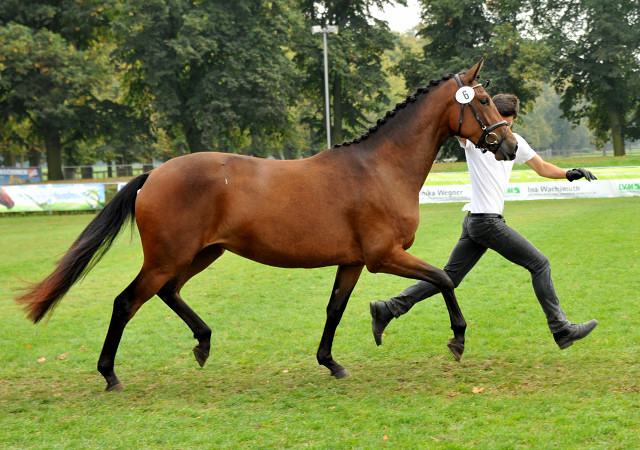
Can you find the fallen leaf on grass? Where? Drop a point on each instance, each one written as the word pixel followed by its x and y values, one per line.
pixel 41 360
pixel 477 390
pixel 63 356
pixel 385 438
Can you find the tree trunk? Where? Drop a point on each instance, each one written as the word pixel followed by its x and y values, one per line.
pixel 9 159
pixel 337 136
pixel 34 157
pixel 193 136
pixel 617 133
pixel 54 154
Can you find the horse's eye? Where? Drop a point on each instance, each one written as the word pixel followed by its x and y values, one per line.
pixel 485 101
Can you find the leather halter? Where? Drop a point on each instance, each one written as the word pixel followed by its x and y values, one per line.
pixel 486 131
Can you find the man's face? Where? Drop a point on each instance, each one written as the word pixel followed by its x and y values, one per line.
pixel 509 120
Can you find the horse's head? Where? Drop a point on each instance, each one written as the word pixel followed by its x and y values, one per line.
pixel 482 124
pixel 5 199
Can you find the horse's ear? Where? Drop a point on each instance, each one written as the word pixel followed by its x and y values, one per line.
pixel 472 73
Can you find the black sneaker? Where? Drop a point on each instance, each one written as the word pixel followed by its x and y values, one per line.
pixel 575 332
pixel 381 316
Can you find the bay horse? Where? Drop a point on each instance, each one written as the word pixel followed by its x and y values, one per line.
pixel 350 206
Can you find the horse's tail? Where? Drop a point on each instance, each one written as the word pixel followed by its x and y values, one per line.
pixel 84 254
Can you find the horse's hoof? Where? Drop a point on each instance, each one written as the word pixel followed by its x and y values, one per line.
pixel 201 355
pixel 456 350
pixel 115 388
pixel 342 373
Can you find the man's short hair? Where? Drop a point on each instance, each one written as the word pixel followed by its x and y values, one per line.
pixel 507 104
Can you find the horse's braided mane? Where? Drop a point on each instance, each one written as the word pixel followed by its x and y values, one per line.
pixel 410 99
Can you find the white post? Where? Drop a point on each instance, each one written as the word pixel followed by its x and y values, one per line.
pixel 324 31
pixel 326 89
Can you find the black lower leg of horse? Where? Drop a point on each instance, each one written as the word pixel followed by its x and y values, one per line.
pixel 122 308
pixel 169 293
pixel 458 324
pixel 406 265
pixel 346 279
pixel 201 330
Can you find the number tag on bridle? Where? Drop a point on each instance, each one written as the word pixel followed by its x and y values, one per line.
pixel 465 94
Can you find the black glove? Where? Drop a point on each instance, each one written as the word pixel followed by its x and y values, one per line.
pixel 576 174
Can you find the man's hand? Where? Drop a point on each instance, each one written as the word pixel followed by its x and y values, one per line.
pixel 576 174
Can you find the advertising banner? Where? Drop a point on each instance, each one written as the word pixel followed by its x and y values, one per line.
pixel 51 197
pixel 20 175
pixel 537 190
pixel 527 185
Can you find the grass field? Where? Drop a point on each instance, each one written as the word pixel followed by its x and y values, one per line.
pixel 262 386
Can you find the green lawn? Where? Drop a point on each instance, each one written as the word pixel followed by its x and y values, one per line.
pixel 262 386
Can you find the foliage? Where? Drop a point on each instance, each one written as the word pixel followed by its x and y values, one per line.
pixel 53 73
pixel 131 80
pixel 544 128
pixel 597 63
pixel 16 139
pixel 358 82
pixel 262 387
pixel 458 33
pixel 216 73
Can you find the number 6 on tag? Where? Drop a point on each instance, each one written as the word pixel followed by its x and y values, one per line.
pixel 465 94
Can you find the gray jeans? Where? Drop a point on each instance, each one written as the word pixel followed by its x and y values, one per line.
pixel 480 232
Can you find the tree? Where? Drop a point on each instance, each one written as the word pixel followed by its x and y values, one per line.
pixel 457 33
pixel 544 128
pixel 358 82
pixel 51 71
pixel 215 74
pixel 597 63
pixel 16 139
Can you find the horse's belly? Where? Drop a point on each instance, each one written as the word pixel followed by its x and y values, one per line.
pixel 304 248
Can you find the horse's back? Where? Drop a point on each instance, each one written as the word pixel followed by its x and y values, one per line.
pixel 291 213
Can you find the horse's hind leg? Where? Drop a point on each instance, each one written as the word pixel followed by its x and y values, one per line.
pixel 170 294
pixel 201 330
pixel 125 306
pixel 346 279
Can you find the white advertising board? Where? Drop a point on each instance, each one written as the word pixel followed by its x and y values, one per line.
pixel 526 185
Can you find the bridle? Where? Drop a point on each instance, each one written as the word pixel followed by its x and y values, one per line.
pixel 487 132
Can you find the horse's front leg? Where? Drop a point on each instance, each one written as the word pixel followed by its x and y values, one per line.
pixel 458 324
pixel 406 265
pixel 346 279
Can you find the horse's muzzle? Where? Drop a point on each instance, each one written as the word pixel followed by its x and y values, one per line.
pixel 506 151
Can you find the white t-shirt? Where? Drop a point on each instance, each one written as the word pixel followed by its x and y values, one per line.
pixel 489 177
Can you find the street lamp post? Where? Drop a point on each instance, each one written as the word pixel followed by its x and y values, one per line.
pixel 324 30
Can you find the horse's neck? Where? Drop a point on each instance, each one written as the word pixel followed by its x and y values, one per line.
pixel 411 147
